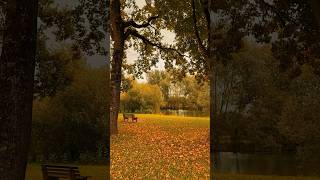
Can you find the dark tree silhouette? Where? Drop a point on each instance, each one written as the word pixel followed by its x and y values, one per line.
pixel 16 86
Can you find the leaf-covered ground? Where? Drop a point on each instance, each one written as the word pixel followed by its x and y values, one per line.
pixel 161 147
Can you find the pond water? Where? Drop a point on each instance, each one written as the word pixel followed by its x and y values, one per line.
pixel 264 164
pixel 185 113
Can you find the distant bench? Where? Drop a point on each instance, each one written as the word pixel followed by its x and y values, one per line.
pixel 127 116
pixel 55 172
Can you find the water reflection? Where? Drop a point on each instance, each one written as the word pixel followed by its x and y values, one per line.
pixel 264 164
pixel 185 113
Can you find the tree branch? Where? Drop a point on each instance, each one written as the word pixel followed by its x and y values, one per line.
pixel 199 41
pixel 136 34
pixel 143 25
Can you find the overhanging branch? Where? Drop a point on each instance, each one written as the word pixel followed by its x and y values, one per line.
pixel 136 34
pixel 143 25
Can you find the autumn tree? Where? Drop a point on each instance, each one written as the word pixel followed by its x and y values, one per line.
pixel 162 79
pixel 142 26
pixel 142 97
pixel 17 64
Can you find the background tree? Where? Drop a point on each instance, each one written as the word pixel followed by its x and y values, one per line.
pixel 17 64
pixel 54 69
pixel 70 125
pixel 186 94
pixel 162 79
pixel 145 98
pixel 84 26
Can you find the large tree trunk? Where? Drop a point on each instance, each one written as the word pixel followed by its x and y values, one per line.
pixel 115 88
pixel 16 87
pixel 107 130
pixel 212 116
pixel 117 33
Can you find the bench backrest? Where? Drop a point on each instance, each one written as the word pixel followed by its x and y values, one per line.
pixel 61 171
pixel 128 115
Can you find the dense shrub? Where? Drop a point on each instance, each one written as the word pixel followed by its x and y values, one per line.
pixel 144 98
pixel 71 126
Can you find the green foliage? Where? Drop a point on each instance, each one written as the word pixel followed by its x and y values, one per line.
pixel 300 118
pixel 142 98
pixel 72 123
pixel 162 79
pixel 294 31
pixel 54 69
pixel 267 110
pixel 186 94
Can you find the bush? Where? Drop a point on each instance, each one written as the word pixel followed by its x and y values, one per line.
pixel 144 98
pixel 72 124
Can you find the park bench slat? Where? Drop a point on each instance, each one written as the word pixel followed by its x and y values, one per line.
pixel 61 171
pixel 60 166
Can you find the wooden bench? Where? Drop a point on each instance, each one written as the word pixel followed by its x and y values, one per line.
pixel 55 172
pixel 127 116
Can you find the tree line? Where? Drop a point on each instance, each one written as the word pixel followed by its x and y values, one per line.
pixel 160 92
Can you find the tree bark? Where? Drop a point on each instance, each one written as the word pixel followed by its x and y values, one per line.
pixel 107 132
pixel 212 116
pixel 316 10
pixel 117 33
pixel 17 64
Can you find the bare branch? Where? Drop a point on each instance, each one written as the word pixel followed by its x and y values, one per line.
pixel 143 25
